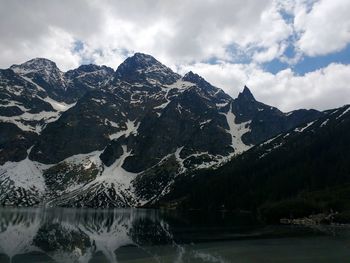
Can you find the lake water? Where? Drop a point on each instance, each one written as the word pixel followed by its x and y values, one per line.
pixel 139 235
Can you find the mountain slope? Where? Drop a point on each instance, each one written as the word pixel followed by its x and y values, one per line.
pixel 104 138
pixel 266 120
pixel 300 168
pixel 36 93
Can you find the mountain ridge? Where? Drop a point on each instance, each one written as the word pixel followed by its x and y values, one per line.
pixel 121 138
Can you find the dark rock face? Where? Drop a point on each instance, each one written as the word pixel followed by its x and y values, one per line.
pixel 14 143
pixel 121 138
pixel 82 129
pixel 112 153
pixel 13 88
pixel 205 86
pixel 88 77
pixel 45 74
pixel 10 111
pixel 179 125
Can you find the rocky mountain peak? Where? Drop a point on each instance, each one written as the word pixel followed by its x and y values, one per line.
pixel 140 62
pixel 246 95
pixel 142 67
pixel 35 65
pixel 193 77
pixel 143 58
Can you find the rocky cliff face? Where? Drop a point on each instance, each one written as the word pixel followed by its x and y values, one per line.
pixel 102 138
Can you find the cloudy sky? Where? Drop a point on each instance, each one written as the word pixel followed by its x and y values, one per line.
pixel 291 53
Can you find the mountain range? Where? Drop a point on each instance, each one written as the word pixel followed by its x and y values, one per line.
pixel 143 135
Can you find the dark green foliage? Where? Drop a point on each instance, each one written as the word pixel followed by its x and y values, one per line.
pixel 311 169
pixel 342 218
pixel 295 208
pixel 150 184
pixel 80 129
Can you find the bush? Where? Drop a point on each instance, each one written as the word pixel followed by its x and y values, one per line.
pixel 342 218
pixel 273 212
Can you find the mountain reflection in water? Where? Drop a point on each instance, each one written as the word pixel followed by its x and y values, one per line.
pixel 78 235
pixel 122 235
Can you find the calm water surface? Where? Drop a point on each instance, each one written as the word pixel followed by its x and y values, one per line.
pixel 136 235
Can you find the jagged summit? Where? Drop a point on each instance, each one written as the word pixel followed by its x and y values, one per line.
pixel 196 79
pixel 199 81
pixel 193 77
pixel 246 94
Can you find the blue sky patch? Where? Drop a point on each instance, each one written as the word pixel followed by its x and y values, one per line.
pixel 308 64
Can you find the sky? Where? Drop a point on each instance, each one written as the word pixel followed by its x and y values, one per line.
pixel 290 53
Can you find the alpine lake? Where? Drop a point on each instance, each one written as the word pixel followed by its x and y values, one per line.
pixel 29 235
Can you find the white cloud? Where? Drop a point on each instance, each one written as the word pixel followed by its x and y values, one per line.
pixel 271 34
pixel 325 28
pixel 182 33
pixel 56 45
pixel 176 32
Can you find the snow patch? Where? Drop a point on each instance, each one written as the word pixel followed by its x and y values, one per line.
pixel 221 105
pixel 203 123
pixel 14 104
pixel 181 84
pixel 44 117
pixel 179 159
pixel 343 113
pixel 162 106
pixel 85 159
pixel 237 131
pixel 35 122
pixel 25 174
pixel 303 128
pixel 58 106
pixel 116 173
pixel 30 80
pixel 270 140
pixel 131 128
pixel 324 123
